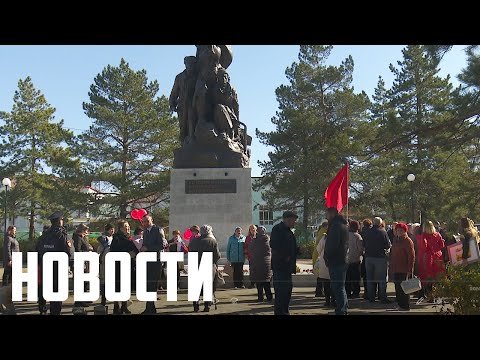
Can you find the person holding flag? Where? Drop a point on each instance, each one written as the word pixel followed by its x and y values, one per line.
pixel 336 244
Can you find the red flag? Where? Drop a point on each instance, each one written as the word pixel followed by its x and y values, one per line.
pixel 336 194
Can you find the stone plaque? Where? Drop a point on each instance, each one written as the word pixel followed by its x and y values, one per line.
pixel 218 186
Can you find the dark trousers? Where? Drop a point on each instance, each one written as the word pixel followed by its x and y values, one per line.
pixel 55 306
pixel 133 278
pixel 162 277
pixel 41 300
pixel 282 284
pixel 252 283
pixel 337 281
pixel 261 286
pixel 153 274
pixel 206 304
pixel 86 288
pixel 7 276
pixel 319 288
pixel 352 281
pixel 327 290
pixel 102 294
pixel 237 274
pixel 403 299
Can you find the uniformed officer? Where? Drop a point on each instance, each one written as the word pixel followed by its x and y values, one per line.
pixel 55 239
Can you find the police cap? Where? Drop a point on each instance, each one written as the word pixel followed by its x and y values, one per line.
pixel 56 215
pixel 289 214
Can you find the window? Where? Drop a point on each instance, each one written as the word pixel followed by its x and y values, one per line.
pixel 266 215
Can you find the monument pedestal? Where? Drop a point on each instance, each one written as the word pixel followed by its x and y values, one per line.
pixel 219 197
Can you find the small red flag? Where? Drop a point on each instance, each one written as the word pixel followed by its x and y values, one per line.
pixel 336 194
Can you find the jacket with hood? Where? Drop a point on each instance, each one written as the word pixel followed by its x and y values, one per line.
pixel 235 251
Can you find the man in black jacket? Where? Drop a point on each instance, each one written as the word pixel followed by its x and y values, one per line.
pixel 55 239
pixel 284 261
pixel 377 247
pixel 335 255
pixel 153 241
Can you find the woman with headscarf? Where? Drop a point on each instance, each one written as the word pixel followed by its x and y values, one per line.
pixel 205 243
pixel 261 264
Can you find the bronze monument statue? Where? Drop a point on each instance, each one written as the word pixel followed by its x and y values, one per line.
pixel 211 132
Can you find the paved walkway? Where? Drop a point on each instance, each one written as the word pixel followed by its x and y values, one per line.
pixel 244 302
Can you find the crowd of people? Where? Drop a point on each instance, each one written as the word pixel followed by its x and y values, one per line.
pixel 345 253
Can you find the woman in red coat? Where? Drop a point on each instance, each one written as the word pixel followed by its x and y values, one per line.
pixel 430 259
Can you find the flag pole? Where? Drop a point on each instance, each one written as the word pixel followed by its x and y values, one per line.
pixel 348 185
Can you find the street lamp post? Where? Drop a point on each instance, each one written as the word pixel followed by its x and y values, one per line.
pixel 7 183
pixel 411 178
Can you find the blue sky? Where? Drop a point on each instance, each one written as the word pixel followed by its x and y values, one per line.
pixel 65 73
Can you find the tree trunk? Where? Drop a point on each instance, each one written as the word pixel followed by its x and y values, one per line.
pixel 306 215
pixel 31 231
pixel 124 205
pixel 123 211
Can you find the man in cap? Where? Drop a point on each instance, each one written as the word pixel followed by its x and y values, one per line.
pixel 284 261
pixel 54 239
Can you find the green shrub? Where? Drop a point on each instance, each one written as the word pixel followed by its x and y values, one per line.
pixel 306 249
pixel 459 290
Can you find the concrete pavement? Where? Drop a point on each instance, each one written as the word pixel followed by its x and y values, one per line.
pixel 244 302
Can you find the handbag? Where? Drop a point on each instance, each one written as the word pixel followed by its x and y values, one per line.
pixel 411 285
pixel 219 277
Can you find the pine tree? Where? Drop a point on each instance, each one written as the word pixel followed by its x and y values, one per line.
pixel 422 101
pixel 130 143
pixel 317 130
pixel 33 148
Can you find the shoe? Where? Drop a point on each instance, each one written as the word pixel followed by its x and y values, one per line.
pixel 149 312
pixel 117 311
pixel 196 307
pixel 206 309
pixel 242 287
pixel 125 310
pixel 386 301
pixel 10 310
